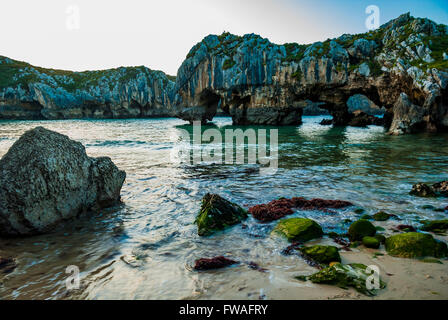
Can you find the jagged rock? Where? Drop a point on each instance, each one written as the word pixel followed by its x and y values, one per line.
pixel 400 66
pixel 441 188
pixel 326 122
pixel 344 276
pixel 258 82
pixel 408 117
pixel 299 229
pixel 47 178
pixel 28 92
pixel 313 109
pixel 422 190
pixel 362 119
pixel 415 245
pixel 217 214
pixel 359 102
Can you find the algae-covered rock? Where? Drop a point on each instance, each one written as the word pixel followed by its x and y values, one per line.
pixel 299 229
pixel 321 254
pixel 415 245
pixel 380 238
pixel 431 260
pixel 217 214
pixel 371 242
pixel 435 225
pixel 352 275
pixel 360 229
pixel 381 216
pixel 367 217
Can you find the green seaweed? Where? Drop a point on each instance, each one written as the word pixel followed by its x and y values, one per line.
pixel 299 229
pixel 344 276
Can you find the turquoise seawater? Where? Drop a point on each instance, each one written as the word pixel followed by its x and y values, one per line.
pixel 144 247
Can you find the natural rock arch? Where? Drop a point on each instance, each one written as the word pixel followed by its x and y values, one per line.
pixel 258 82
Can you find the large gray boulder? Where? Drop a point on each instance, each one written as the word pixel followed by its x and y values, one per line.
pixel 46 178
pixel 408 117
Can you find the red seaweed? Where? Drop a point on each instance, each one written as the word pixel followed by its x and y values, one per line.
pixel 291 248
pixel 213 263
pixel 278 209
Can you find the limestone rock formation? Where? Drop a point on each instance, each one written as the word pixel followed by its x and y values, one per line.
pixel 359 102
pixel 28 92
pixel 400 66
pixel 47 178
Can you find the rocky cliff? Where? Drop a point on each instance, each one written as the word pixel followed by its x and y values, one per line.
pixel 401 66
pixel 28 92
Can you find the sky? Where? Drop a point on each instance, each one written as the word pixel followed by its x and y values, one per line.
pixel 99 34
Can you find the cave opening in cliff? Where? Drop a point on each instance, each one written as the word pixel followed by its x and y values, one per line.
pixel 210 100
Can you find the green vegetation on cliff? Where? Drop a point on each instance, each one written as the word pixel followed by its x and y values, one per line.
pixel 17 73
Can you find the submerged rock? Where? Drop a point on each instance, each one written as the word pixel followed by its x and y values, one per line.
pixel 217 214
pixel 424 190
pixel 47 178
pixel 406 228
pixel 441 188
pixel 213 263
pixel 435 225
pixel 381 216
pixel 326 122
pixel 360 229
pixel 321 254
pixel 362 119
pixel 415 245
pixel 371 242
pixel 344 276
pixel 299 229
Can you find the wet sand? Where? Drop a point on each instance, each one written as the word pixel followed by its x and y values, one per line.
pixel 406 279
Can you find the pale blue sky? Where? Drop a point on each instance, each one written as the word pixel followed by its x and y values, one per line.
pixel 159 34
